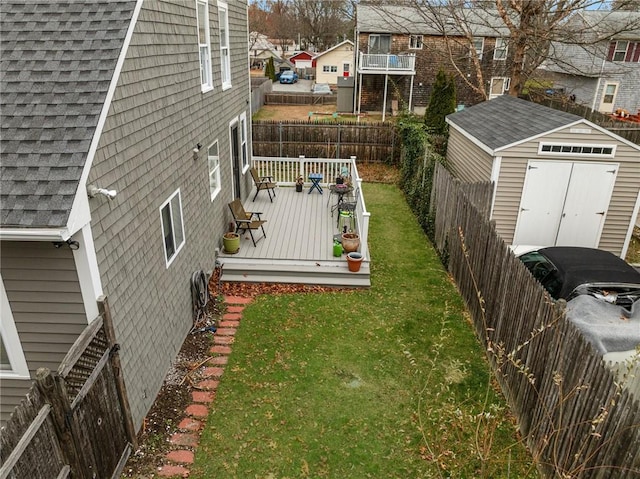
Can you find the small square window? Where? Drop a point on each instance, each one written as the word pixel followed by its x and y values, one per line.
pixel 415 42
pixel 607 151
pixel 546 147
pixel 556 148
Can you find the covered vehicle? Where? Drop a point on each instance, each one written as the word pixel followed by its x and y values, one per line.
pixel 288 76
pixel 321 89
pixel 568 271
pixel 602 293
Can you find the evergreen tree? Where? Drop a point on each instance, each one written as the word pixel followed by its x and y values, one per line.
pixel 270 70
pixel 441 102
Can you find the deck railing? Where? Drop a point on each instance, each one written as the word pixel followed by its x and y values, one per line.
pixel 285 172
pixel 387 62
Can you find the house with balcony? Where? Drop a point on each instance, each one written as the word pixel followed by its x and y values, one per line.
pixel 124 136
pixel 602 70
pixel 401 48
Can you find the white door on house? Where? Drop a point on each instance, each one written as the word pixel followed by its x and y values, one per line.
pixel 608 99
pixel 564 203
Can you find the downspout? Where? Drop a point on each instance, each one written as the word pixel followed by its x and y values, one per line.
pixel 595 94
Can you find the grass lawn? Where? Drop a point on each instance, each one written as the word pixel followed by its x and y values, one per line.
pixel 388 382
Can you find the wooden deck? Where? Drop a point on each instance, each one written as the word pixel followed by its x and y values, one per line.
pixel 299 243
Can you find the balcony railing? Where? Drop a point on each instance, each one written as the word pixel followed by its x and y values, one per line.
pixel 387 63
pixel 285 171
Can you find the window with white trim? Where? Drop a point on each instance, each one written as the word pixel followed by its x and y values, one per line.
pixel 379 43
pixel 12 361
pixel 620 51
pixel 500 51
pixel 577 149
pixel 415 42
pixel 214 169
pixel 499 86
pixel 204 44
pixel 330 68
pixel 172 226
pixel 243 142
pixel 478 45
pixel 225 55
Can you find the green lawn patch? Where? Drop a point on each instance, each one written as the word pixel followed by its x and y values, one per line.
pixel 388 382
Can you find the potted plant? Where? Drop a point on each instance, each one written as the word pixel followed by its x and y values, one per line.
pixel 354 261
pixel 299 184
pixel 231 242
pixel 350 242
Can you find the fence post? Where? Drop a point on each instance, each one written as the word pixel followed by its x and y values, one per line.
pixel 53 390
pixel 105 312
pixel 280 138
pixel 338 144
pixel 301 166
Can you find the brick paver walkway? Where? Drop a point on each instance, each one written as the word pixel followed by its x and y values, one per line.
pixel 185 441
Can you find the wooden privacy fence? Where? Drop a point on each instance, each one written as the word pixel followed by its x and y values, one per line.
pixel 575 419
pixel 280 98
pixel 369 142
pixel 76 422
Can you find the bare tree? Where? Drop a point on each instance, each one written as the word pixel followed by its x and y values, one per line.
pixel 323 23
pixel 258 21
pixel 531 28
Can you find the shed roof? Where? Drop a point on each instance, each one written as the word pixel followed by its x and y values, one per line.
pixel 507 120
pixel 56 64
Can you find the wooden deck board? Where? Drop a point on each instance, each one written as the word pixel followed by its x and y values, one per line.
pixel 299 229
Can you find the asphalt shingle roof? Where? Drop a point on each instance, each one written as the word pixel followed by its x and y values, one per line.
pixel 57 59
pixel 506 120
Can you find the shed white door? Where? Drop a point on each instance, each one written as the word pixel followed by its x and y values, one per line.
pixel 564 203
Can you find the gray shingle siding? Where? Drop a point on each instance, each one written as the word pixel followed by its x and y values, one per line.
pixel 157 117
pixel 56 61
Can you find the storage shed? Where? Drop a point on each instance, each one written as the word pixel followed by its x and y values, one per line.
pixel 558 178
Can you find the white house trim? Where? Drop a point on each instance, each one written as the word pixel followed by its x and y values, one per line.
pixel 495 174
pixel 627 239
pixel 19 368
pixel 88 272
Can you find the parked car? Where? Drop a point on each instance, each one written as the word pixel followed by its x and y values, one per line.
pixel 321 89
pixel 569 271
pixel 288 76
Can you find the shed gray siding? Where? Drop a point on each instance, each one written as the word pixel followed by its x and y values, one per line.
pixel 157 117
pixel 625 192
pixel 467 160
pixel 44 294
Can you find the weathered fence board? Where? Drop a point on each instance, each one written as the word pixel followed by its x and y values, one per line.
pixel 74 422
pixel 300 98
pixel 574 417
pixel 369 142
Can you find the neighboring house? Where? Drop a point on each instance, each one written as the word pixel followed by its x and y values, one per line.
pixel 147 98
pixel 604 75
pixel 559 179
pixel 400 51
pixel 302 60
pixel 335 62
pixel 284 48
pixel 260 50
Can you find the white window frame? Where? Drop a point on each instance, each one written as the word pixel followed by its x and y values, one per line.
pixel 213 162
pixel 475 47
pixel 415 42
pixel 225 49
pixel 172 214
pixel 325 68
pixel 379 36
pixel 624 52
pixel 500 52
pixel 244 151
pixel 505 87
pixel 204 49
pixel 11 340
pixel 574 146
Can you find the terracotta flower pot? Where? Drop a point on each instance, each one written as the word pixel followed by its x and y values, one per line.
pixel 350 242
pixel 354 261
